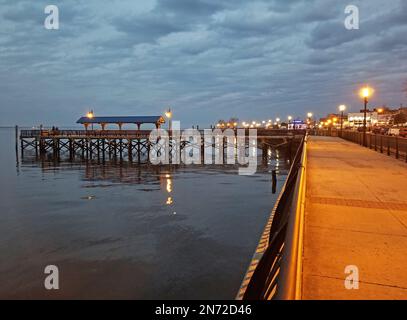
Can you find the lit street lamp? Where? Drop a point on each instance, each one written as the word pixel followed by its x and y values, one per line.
pixel 309 119
pixel 168 114
pixel 289 121
pixel 90 115
pixel 342 108
pixel 365 93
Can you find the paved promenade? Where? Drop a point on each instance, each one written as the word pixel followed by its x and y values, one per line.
pixel 356 214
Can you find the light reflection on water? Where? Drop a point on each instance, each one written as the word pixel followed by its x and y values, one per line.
pixel 129 231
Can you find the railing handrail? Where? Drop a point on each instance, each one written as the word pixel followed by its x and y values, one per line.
pixel 278 273
pixel 383 143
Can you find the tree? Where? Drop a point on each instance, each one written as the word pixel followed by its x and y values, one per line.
pixel 400 118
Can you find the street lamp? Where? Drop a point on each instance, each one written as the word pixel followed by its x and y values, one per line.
pixel 278 122
pixel 342 108
pixel 289 121
pixel 90 115
pixel 309 116
pixel 365 93
pixel 168 114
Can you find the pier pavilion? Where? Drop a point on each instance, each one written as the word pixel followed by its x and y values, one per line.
pixel 138 120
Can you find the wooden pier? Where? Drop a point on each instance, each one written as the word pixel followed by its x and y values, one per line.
pixel 131 145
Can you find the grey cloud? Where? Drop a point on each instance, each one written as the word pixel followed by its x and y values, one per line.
pixel 207 59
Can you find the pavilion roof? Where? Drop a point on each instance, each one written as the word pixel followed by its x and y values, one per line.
pixel 122 119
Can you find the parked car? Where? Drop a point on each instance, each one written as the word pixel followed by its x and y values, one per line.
pixel 403 132
pixel 379 130
pixel 393 131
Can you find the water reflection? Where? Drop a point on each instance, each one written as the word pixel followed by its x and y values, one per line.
pixel 169 189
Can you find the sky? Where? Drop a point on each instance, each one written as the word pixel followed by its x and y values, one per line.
pixel 206 59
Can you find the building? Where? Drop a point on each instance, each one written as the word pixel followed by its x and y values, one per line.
pixel 297 125
pixel 355 119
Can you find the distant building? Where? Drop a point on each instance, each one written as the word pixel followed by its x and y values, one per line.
pixel 355 119
pixel 385 119
pixel 297 125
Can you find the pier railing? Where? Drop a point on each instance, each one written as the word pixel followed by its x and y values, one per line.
pixel 83 133
pixel 391 145
pixel 278 272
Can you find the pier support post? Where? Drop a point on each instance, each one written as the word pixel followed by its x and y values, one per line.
pixel 138 150
pixel 71 151
pixel 130 149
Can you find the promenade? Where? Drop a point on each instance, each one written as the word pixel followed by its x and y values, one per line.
pixel 355 214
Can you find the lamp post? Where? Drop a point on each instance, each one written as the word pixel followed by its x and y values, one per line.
pixel 289 121
pixel 309 119
pixel 90 116
pixel 365 94
pixel 342 108
pixel 168 114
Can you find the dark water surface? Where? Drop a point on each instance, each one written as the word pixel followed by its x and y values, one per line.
pixel 128 231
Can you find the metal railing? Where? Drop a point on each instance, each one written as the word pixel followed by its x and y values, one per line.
pixel 391 145
pixel 278 272
pixel 83 133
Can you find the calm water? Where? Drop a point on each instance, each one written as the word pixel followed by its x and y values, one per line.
pixel 134 232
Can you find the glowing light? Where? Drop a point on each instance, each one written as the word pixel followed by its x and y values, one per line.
pixel 309 114
pixel 90 114
pixel 342 108
pixel 169 185
pixel 366 92
pixel 168 113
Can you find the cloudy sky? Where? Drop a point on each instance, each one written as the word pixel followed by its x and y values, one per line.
pixel 207 59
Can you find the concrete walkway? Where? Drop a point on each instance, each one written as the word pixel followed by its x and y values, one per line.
pixel 356 214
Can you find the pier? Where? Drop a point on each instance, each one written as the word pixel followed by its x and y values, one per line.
pixel 133 145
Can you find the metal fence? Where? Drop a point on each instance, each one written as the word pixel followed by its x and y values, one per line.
pixel 278 273
pixel 394 146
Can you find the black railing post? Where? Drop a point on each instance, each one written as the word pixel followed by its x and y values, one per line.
pixel 381 144
pixel 375 142
pixel 388 146
pixel 397 147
